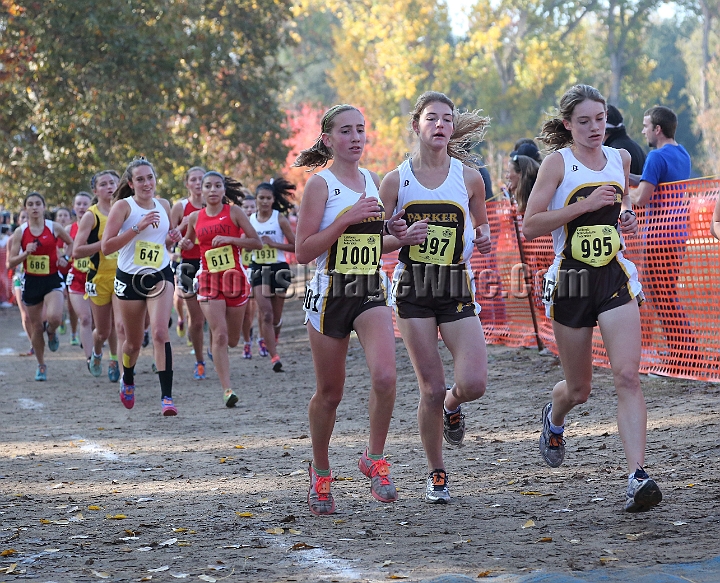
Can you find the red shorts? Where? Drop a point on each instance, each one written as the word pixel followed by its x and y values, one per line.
pixel 75 281
pixel 231 286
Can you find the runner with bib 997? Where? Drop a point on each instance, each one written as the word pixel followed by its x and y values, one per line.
pixel 433 285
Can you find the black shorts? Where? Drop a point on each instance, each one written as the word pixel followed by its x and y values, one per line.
pixel 144 284
pixel 581 293
pixel 36 287
pixel 333 302
pixel 185 273
pixel 443 292
pixel 275 275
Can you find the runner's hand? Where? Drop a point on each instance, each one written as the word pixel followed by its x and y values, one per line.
pixel 221 240
pixel 174 235
pixel 628 223
pixel 364 208
pixel 148 219
pixel 396 225
pixel 186 244
pixel 602 196
pixel 267 241
pixel 416 233
pixel 31 248
pixel 482 242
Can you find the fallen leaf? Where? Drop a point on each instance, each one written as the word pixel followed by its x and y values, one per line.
pixel 529 493
pixel 168 542
pixel 511 482
pixel 503 459
pixel 297 473
pixel 574 541
pixel 244 514
pixel 690 485
pixel 529 524
pixel 80 536
pixel 294 531
pixel 239 447
pixel 276 530
pixel 679 523
pixel 397 576
pixel 93 507
pixel 343 479
pixel 100 574
pixel 159 569
pixel 179 529
pixel 633 536
pixel 8 552
pixel 604 560
pixel 8 570
pixel 146 578
pixel 597 499
pixel 216 567
pixel 386 563
pixel 545 539
pixel 339 521
pixel 115 516
pixel 56 486
pixel 180 575
pixel 184 544
pixel 263 500
pixel 301 547
pixel 484 574
pixel 144 549
pixel 45 521
pixel 207 578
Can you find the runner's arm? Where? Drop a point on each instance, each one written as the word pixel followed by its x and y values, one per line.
pixel 82 248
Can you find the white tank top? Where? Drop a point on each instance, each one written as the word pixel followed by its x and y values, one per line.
pixel 270 228
pixel 450 233
pixel 147 249
pixel 340 200
pixel 579 181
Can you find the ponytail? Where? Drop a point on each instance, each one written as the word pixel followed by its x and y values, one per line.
pixel 123 189
pixel 554 134
pixel 318 155
pixel 234 190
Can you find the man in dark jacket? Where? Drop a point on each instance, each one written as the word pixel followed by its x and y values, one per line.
pixel 616 137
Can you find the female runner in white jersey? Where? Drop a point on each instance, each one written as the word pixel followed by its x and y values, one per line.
pixel 34 244
pixel 138 226
pixel 432 284
pixel 101 276
pixel 341 225
pixel 270 272
pixel 222 231
pixel 188 269
pixel 249 207
pixel 581 197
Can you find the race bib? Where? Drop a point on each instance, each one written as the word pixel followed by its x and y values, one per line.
pixel 38 264
pixel 265 255
pixel 247 256
pixel 113 256
pixel 358 254
pixel 148 254
pixel 438 248
pixel 220 259
pixel 595 245
pixel 90 289
pixel 83 265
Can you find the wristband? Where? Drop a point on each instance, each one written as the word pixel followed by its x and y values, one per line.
pixel 629 211
pixel 385 228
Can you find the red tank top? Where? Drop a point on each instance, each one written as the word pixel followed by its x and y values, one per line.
pixel 43 261
pixel 193 253
pixel 224 257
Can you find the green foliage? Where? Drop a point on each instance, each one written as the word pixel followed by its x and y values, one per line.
pixel 179 82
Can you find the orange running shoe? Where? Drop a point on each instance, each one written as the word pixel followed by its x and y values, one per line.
pixel 381 484
pixel 320 500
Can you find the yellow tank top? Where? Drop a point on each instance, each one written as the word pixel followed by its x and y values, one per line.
pixel 101 264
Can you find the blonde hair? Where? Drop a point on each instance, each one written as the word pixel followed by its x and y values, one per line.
pixel 319 154
pixel 554 134
pixel 468 127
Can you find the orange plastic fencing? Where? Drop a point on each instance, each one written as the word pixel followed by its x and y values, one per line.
pixel 678 263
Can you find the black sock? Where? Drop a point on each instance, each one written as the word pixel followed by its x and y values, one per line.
pixel 166 376
pixel 129 375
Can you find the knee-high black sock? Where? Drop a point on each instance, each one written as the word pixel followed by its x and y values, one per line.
pixel 166 376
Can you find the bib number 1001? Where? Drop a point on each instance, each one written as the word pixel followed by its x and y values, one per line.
pixel 358 254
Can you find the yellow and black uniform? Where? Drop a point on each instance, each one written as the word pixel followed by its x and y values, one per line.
pixel 348 279
pixel 434 279
pixel 589 275
pixel 101 275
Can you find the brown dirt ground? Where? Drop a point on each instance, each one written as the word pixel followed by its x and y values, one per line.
pixel 209 492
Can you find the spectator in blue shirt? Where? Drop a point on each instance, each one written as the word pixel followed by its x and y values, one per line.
pixel 665 231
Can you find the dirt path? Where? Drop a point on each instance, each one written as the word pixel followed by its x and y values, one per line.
pixel 90 491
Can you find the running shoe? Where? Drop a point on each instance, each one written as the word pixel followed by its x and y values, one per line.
pixel 146 339
pixel 53 341
pixel 276 364
pixel 74 341
pixel 30 352
pixel 62 328
pixel 168 409
pixel 199 373
pixel 454 427
pixel 180 329
pixel 642 493
pixel 113 371
pixel 319 498
pixel 41 372
pixel 94 364
pixel 262 347
pixel 247 351
pixel 127 395
pixel 230 398
pixel 436 488
pixel 552 445
pixel 209 354
pixel 154 368
pixel 381 484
